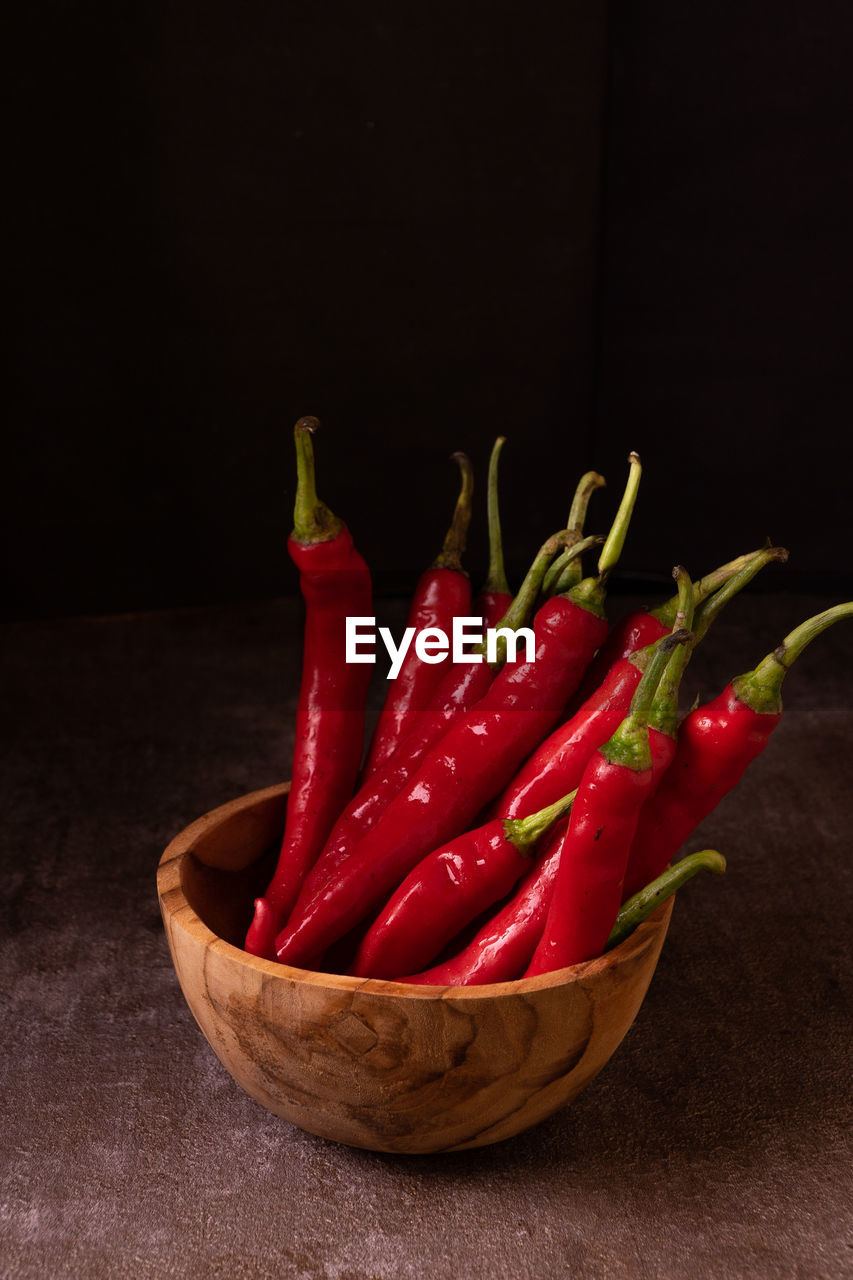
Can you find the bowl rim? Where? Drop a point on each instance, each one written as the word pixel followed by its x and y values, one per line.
pixel 179 913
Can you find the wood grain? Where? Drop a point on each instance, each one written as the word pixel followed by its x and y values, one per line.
pixel 381 1065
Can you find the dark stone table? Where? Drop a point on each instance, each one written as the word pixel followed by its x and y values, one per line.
pixel 716 1143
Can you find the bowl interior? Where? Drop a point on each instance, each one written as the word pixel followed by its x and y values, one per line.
pixel 223 900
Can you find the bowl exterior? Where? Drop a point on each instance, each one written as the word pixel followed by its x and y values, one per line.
pixel 388 1066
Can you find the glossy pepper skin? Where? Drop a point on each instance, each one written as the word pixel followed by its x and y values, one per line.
pixel 556 765
pixel 587 889
pixel 503 947
pixel 474 760
pixel 335 582
pixel 625 637
pixel 458 776
pixel 440 596
pixel 716 744
pixel 462 687
pixel 448 889
pixel 442 593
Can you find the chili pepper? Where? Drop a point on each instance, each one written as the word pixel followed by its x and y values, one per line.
pixel 504 947
pixel 639 907
pixel 464 770
pixel 464 684
pixel 335 582
pixel 443 592
pixel 642 627
pixel 558 763
pixel 448 889
pixel 501 950
pixel 565 752
pixel 495 596
pixel 588 885
pixel 716 744
pixel 663 712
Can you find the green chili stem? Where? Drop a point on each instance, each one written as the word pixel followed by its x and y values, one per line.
pixel 525 832
pixel 686 599
pixel 709 610
pixel 589 594
pixel 519 611
pixel 567 572
pixel 587 485
pixel 642 904
pixel 496 581
pixel 612 548
pixel 663 715
pixel 761 688
pixel 629 745
pixel 312 519
pixel 457 535
pixel 564 573
pixel 705 587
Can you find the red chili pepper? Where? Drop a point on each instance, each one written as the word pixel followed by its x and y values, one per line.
pixel 463 686
pixel 588 886
pixel 501 950
pixel 443 593
pixel 466 768
pixel 448 889
pixel 503 947
pixel 557 763
pixel 335 583
pixel 642 627
pixel 495 596
pixel 562 757
pixel 716 744
pixel 663 715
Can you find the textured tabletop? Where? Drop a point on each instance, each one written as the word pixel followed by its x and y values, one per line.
pixel 716 1143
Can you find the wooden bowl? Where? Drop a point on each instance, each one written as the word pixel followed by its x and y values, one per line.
pixel 381 1065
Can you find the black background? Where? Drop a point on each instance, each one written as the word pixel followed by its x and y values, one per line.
pixel 589 231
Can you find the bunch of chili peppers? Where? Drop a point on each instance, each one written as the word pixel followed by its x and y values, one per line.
pixel 512 814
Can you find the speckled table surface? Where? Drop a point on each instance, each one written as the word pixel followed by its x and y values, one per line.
pixel 716 1143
